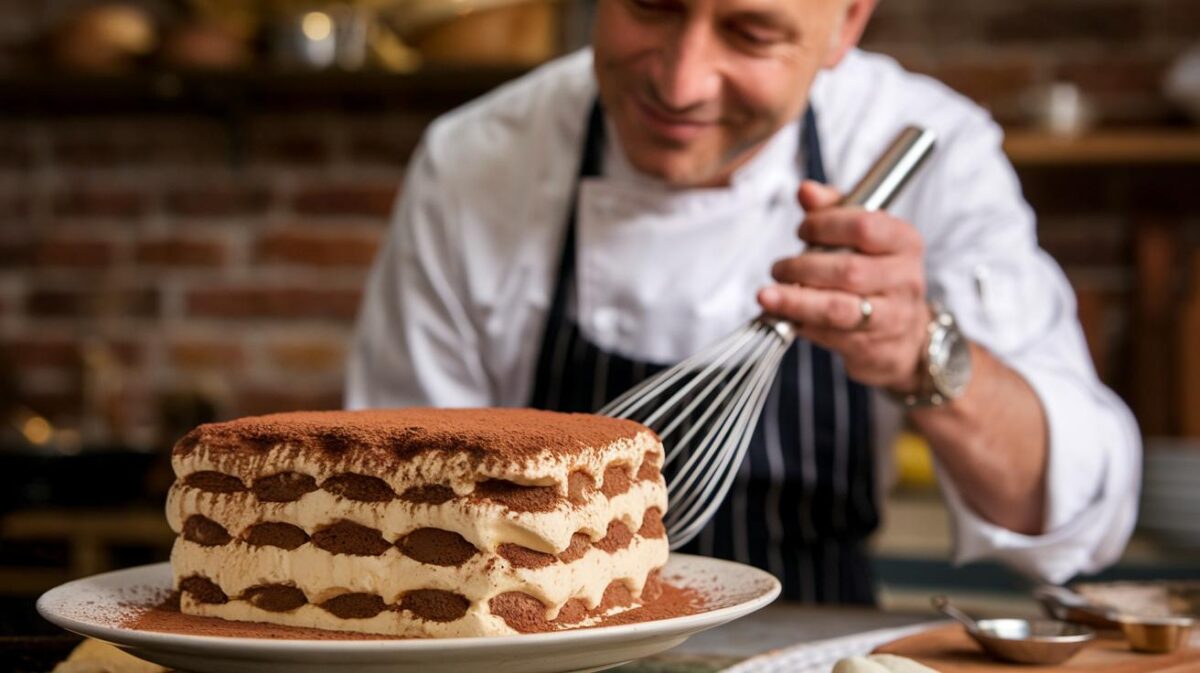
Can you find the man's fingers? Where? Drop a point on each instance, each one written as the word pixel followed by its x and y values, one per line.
pixel 829 308
pixel 815 196
pixel 872 233
pixel 856 274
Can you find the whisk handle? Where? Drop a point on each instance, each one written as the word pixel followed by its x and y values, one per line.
pixel 888 175
pixel 893 169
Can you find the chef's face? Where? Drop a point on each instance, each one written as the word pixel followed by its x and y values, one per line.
pixel 696 87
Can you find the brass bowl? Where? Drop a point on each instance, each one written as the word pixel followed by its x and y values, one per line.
pixel 1156 635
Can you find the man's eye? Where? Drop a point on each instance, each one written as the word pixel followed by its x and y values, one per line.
pixel 754 37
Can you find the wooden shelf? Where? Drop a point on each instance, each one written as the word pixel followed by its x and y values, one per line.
pixel 60 93
pixel 435 89
pixel 1105 147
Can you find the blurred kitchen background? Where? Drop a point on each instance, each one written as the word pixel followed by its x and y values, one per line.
pixel 191 193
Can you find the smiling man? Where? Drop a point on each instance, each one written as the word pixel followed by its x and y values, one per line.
pixel 617 210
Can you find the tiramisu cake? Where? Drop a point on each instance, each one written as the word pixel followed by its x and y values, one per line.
pixel 418 522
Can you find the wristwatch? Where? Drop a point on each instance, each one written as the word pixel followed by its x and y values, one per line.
pixel 945 362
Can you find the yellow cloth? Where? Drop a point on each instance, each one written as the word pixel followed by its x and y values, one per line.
pixel 93 656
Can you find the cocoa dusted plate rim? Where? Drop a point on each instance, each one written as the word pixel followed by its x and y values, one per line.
pixel 95 606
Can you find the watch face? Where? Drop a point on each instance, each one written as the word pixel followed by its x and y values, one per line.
pixel 951 368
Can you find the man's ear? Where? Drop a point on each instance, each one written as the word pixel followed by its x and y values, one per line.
pixel 847 33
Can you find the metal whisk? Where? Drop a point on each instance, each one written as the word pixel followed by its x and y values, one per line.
pixel 705 408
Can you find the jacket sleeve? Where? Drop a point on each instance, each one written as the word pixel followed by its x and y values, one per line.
pixel 1012 298
pixel 415 343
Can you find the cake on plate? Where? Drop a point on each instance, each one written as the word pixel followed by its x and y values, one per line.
pixel 418 522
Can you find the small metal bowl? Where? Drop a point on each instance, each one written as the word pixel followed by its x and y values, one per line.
pixel 1038 641
pixel 1023 641
pixel 1155 634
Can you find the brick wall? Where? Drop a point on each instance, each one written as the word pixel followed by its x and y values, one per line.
pixel 173 255
pixel 195 260
pixel 992 50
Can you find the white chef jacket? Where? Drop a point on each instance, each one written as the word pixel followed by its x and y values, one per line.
pixel 457 299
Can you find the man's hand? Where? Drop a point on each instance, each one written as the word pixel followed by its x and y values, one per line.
pixel 823 292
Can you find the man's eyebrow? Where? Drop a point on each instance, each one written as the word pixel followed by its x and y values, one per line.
pixel 768 18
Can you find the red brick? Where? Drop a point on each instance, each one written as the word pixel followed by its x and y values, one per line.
pixel 25 353
pixel 190 141
pixel 218 199
pixel 69 303
pixel 387 143
pixel 127 353
pixel 279 303
pixel 1165 190
pixel 92 201
pixel 1109 73
pixel 55 352
pixel 99 150
pixel 356 198
pixel 97 142
pixel 73 253
pixel 1086 243
pixel 178 252
pixel 999 77
pixel 1100 21
pixel 255 400
pixel 1175 18
pixel 58 405
pixel 307 356
pixel 15 208
pixel 286 140
pixel 15 252
pixel 319 247
pixel 199 354
pixel 1079 190
pixel 15 152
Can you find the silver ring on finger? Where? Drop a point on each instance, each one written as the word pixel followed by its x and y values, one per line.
pixel 865 310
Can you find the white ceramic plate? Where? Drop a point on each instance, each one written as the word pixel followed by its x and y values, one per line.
pixel 92 606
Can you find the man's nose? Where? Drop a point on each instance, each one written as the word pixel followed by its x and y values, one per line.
pixel 687 72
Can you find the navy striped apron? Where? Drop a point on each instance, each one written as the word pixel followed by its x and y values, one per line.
pixel 803 502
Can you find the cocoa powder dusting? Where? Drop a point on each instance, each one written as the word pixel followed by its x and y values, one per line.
pixel 580 544
pixel 359 487
pixel 579 486
pixel 652 524
pixel 524 557
pixel 517 497
pixel 616 480
pixel 649 469
pixel 214 482
pixel 399 434
pixel 617 537
pixel 427 494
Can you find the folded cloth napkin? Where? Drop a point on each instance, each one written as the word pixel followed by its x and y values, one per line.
pixel 821 656
pixel 880 663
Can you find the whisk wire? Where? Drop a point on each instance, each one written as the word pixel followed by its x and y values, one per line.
pixel 693 515
pixel 715 397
